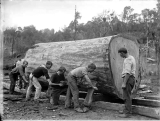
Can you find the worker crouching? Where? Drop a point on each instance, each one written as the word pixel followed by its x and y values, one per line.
pixel 72 78
pixel 58 85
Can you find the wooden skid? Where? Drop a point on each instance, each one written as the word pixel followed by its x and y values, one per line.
pixel 152 97
pixel 136 101
pixel 146 102
pixel 146 111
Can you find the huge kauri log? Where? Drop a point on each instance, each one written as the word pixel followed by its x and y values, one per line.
pixel 101 51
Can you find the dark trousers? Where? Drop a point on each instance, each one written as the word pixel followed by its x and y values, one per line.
pixel 127 94
pixel 22 83
pixel 13 79
pixel 54 94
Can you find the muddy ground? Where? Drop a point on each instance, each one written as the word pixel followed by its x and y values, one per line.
pixel 21 110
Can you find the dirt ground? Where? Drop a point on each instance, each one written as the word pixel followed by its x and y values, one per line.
pixel 21 110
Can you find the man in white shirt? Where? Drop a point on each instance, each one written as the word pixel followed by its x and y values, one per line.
pixel 128 75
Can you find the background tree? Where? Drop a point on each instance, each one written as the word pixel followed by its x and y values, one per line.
pixel 158 39
pixel 104 24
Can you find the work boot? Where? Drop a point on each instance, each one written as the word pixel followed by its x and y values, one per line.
pixel 68 106
pixel 87 106
pixel 79 110
pixel 124 111
pixel 121 111
pixel 125 115
pixel 85 109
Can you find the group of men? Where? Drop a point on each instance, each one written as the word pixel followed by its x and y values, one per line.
pixel 59 83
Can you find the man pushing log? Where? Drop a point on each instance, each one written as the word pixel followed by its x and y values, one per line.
pixel 17 71
pixel 72 78
pixel 58 86
pixel 34 80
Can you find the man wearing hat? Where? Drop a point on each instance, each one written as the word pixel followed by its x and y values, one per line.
pixel 58 86
pixel 72 78
pixel 128 75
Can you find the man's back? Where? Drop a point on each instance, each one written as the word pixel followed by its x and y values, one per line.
pixel 40 71
pixel 55 78
pixel 20 70
pixel 79 72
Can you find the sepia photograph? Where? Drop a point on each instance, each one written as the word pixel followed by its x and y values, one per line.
pixel 80 60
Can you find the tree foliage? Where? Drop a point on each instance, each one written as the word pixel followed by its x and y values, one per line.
pixel 107 23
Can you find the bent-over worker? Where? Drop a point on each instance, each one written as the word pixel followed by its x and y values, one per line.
pixel 17 71
pixel 34 80
pixel 72 78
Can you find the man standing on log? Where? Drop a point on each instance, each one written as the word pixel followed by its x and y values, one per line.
pixel 128 75
pixel 34 77
pixel 20 70
pixel 58 86
pixel 72 78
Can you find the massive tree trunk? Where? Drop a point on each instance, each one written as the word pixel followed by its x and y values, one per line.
pixel 101 51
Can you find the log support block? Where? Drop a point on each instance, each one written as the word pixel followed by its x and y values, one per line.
pixel 141 110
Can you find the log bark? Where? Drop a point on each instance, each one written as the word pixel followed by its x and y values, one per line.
pixel 101 51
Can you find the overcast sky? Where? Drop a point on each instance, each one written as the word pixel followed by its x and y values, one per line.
pixel 55 14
